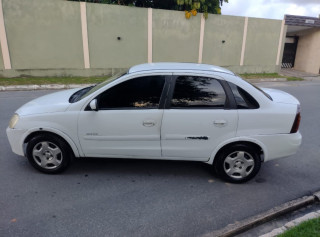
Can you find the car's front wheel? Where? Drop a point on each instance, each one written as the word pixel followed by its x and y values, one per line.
pixel 48 153
pixel 238 163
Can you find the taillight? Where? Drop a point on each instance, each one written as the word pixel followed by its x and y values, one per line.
pixel 296 123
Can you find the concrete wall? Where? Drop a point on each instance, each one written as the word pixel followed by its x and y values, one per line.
pixel 108 22
pixel 261 48
pixel 1 61
pixel 43 34
pixel 56 38
pixel 307 55
pixel 174 38
pixel 223 28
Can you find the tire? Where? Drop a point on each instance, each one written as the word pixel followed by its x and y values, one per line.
pixel 237 163
pixel 49 154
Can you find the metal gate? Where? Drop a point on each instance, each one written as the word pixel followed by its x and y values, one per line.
pixel 289 52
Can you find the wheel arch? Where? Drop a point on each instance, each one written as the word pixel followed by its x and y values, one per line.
pixel 243 141
pixel 56 133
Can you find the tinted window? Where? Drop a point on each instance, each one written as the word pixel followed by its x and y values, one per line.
pixel 143 92
pixel 243 99
pixel 259 89
pixel 198 92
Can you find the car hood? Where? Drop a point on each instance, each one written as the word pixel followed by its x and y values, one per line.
pixel 55 102
pixel 279 96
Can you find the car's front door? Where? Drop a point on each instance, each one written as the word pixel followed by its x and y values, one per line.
pixel 128 120
pixel 196 118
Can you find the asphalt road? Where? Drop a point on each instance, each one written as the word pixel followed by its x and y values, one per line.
pixel 108 197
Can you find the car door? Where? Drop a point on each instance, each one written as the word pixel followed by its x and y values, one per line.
pixel 197 118
pixel 128 120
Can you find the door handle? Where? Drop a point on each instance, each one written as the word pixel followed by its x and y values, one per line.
pixel 220 123
pixel 149 123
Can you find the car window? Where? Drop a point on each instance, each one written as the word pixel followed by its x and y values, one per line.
pixel 256 87
pixel 243 99
pixel 263 92
pixel 198 92
pixel 137 93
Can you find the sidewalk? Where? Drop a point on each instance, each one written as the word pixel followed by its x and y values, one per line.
pixel 41 87
pixel 72 86
pixel 251 226
pixel 289 72
pixel 283 223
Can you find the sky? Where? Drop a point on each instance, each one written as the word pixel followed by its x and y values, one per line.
pixel 273 9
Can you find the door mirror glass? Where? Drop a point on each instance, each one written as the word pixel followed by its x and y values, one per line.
pixel 93 105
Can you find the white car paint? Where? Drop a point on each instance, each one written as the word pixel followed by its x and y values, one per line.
pixel 51 103
pixel 115 133
pixel 127 134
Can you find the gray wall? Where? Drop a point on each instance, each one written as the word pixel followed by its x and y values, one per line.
pixel 105 24
pixel 175 39
pixel 223 28
pixel 45 39
pixel 261 46
pixel 43 34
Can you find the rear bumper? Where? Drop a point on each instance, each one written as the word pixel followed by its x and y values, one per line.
pixel 15 137
pixel 281 145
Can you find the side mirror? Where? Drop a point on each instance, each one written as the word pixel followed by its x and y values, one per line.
pixel 93 105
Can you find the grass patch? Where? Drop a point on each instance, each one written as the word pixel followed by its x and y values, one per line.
pixel 260 75
pixel 294 79
pixel 309 228
pixel 268 75
pixel 95 80
pixel 50 80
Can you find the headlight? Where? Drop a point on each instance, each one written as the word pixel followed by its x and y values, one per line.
pixel 13 121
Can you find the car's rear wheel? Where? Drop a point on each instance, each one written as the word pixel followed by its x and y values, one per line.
pixel 49 154
pixel 237 163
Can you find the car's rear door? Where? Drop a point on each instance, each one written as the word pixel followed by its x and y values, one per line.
pixel 197 117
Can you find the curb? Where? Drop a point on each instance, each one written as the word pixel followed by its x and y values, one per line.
pixel 72 86
pixel 267 80
pixel 42 87
pixel 242 226
pixel 291 224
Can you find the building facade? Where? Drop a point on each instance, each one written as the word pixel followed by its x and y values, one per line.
pixel 302 44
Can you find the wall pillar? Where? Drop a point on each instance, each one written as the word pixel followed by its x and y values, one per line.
pixel 149 35
pixel 202 24
pixel 3 41
pixel 244 40
pixel 84 29
pixel 280 43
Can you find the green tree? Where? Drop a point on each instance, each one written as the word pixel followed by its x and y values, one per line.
pixel 205 6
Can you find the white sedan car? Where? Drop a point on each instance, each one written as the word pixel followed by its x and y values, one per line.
pixel 172 111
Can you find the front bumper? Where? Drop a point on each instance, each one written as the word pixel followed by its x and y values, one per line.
pixel 16 137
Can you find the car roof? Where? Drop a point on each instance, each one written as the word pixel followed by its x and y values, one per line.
pixel 177 67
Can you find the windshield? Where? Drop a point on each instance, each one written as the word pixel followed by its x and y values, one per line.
pixel 98 86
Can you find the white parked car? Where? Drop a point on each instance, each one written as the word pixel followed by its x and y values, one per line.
pixel 172 111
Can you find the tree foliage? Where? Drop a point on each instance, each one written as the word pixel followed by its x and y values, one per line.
pixel 190 6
